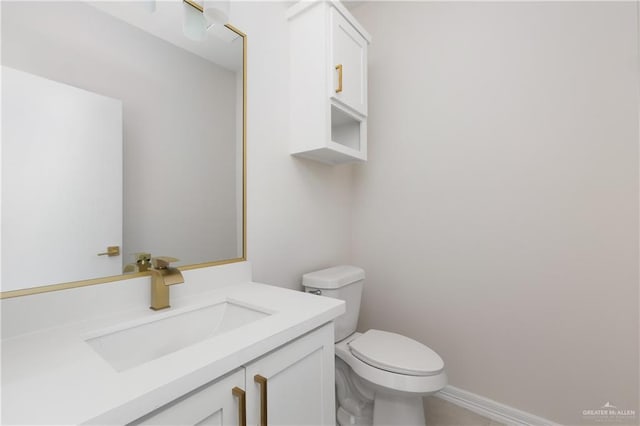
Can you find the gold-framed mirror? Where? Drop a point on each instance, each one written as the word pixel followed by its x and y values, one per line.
pixel 123 137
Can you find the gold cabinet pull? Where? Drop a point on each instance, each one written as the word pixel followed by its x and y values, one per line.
pixel 339 68
pixel 111 251
pixel 242 405
pixel 262 381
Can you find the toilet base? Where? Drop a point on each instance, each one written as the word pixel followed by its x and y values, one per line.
pixel 398 410
pixel 344 418
pixel 387 411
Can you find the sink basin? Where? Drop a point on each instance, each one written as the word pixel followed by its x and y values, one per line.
pixel 136 343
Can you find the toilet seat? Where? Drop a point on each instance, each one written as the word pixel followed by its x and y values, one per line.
pixel 396 353
pixel 385 379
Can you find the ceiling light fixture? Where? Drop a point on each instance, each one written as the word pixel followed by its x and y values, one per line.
pixel 194 26
pixel 214 11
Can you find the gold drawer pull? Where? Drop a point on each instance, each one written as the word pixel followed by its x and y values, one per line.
pixel 262 381
pixel 339 68
pixel 242 405
pixel 111 251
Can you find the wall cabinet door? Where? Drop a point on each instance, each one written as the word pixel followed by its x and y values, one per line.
pixel 211 404
pixel 349 63
pixel 299 383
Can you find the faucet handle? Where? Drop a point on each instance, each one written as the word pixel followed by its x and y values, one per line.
pixel 162 262
pixel 142 256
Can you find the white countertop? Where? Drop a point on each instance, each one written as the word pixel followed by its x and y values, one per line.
pixel 53 376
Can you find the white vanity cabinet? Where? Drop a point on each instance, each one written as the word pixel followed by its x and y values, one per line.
pixel 58 370
pixel 292 385
pixel 300 383
pixel 328 83
pixel 211 404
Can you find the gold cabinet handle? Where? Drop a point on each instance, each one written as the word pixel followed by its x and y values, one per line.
pixel 262 381
pixel 339 68
pixel 111 251
pixel 242 405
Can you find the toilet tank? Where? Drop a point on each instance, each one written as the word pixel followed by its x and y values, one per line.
pixel 340 282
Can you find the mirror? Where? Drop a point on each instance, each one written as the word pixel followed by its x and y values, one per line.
pixel 123 135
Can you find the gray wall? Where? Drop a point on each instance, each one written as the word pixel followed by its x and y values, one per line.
pixel 299 215
pixel 497 217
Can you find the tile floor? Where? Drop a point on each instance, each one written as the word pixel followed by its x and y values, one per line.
pixel 439 412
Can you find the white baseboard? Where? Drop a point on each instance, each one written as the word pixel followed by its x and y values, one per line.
pixel 491 409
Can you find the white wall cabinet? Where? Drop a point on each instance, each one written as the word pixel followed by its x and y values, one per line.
pixel 328 83
pixel 292 385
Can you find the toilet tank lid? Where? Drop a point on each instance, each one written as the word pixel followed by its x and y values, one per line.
pixel 332 278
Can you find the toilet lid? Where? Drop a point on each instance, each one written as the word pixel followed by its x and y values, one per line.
pixel 396 353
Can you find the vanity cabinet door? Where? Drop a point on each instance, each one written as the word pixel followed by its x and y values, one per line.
pixel 349 64
pixel 300 388
pixel 211 404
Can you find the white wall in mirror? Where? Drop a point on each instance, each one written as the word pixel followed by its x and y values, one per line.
pixel 166 20
pixel 64 132
pixel 182 134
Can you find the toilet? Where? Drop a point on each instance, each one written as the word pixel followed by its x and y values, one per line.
pixel 381 377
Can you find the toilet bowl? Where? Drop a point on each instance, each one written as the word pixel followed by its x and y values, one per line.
pixel 381 377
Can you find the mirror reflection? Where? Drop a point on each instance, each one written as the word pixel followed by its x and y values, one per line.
pixel 122 138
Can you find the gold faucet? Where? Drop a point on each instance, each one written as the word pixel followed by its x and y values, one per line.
pixel 143 261
pixel 162 276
